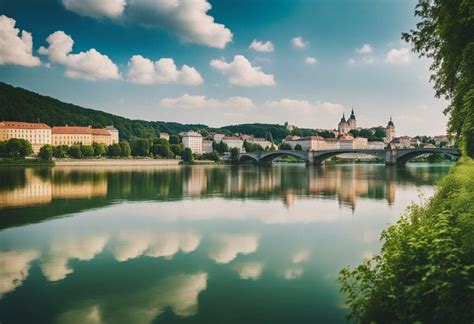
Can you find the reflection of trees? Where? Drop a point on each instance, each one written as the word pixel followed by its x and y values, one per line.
pixel 93 187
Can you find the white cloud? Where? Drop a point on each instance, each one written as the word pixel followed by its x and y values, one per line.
pixel 351 61
pixel 89 65
pixel 310 60
pixel 398 56
pixel 242 73
pixel 250 270
pixel 201 102
pixel 188 19
pixel 226 247
pixel 260 46
pixel 298 42
pixel 15 46
pixel 96 8
pixel 365 49
pixel 55 266
pixel 368 59
pixel 300 256
pixel 14 268
pixel 144 71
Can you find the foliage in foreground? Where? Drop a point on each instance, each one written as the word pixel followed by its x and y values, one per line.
pixel 425 271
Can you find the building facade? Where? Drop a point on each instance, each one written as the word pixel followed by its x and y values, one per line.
pixel 343 126
pixel 102 136
pixel 352 121
pixel 70 135
pixel 193 141
pixel 207 146
pixel 38 134
pixel 165 136
pixel 233 141
pixel 114 133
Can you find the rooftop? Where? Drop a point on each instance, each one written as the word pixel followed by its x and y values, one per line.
pixel 22 125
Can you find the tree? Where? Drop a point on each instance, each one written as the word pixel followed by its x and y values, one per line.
pixel 87 150
pixel 221 147
pixel 174 139
pixel 125 149
pixel 298 147
pixel 162 150
pixel 445 35
pixel 99 149
pixel 285 146
pixel 187 155
pixel 269 137
pixel 46 152
pixel 140 146
pixel 75 151
pixel 60 151
pixel 234 153
pixel 3 148
pixel 114 150
pixel 177 149
pixel 18 147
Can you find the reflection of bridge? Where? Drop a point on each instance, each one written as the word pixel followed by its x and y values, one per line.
pixel 391 157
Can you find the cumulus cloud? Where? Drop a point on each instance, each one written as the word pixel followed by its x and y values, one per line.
pixel 144 71
pixel 55 267
pixel 200 102
pixel 398 56
pixel 188 19
pixel 241 72
pixel 95 8
pixel 14 268
pixel 298 42
pixel 250 270
pixel 365 49
pixel 260 46
pixel 15 46
pixel 89 65
pixel 130 245
pixel 226 247
pixel 310 60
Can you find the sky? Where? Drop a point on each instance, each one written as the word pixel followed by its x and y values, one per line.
pixel 222 62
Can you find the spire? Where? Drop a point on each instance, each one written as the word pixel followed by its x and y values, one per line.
pixel 390 123
pixel 352 114
pixel 343 119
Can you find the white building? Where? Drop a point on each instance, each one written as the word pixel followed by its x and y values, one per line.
pixel 37 134
pixel 193 140
pixel 165 136
pixel 233 141
pixel 360 143
pixel 260 141
pixel 207 146
pixel 218 137
pixel 310 143
pixel 114 133
pixel 375 145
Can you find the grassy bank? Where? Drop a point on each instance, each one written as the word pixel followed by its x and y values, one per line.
pixel 425 271
pixel 24 162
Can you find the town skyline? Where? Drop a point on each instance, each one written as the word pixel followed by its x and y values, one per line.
pixel 265 66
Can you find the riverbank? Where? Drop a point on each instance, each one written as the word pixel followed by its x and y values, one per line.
pixel 24 162
pixel 115 162
pixel 425 272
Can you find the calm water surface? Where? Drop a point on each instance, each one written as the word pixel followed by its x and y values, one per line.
pixel 192 244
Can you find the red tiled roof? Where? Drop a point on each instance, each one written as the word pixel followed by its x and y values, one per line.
pixel 71 130
pixel 100 131
pixel 231 138
pixel 22 125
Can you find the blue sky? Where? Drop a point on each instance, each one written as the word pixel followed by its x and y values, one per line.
pixel 192 60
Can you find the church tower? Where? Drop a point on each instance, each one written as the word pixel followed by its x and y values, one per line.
pixel 352 120
pixel 343 126
pixel 390 131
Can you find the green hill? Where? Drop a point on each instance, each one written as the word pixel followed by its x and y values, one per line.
pixel 18 104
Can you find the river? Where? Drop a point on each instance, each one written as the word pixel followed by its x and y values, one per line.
pixel 193 244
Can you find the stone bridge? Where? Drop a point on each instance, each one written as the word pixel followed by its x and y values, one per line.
pixel 391 157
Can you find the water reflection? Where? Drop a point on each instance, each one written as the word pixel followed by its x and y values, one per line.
pixel 195 244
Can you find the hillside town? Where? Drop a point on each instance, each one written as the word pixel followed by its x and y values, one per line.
pixel 347 135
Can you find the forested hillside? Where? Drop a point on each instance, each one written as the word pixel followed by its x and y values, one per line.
pixel 22 105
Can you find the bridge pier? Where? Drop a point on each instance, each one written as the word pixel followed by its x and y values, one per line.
pixel 391 157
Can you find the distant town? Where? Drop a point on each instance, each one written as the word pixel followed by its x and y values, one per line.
pixel 347 135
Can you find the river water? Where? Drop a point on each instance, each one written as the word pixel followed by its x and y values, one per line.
pixel 196 244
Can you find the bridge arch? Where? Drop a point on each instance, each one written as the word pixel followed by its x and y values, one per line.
pixel 246 157
pixel 269 156
pixel 321 156
pixel 404 157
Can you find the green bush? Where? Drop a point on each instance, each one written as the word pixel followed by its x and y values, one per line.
pixel 425 271
pixel 15 147
pixel 60 151
pixel 140 146
pixel 125 149
pixel 187 155
pixel 174 139
pixel 75 151
pixel 87 150
pixel 99 149
pixel 162 151
pixel 46 152
pixel 285 146
pixel 177 149
pixel 114 150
